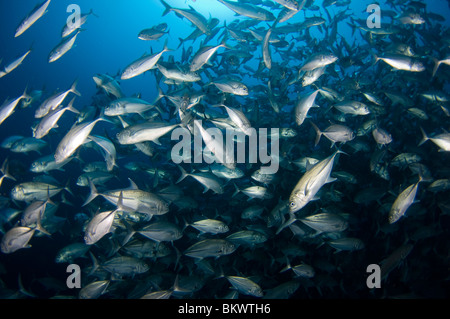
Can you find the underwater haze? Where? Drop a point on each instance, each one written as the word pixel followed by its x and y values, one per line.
pixel 117 124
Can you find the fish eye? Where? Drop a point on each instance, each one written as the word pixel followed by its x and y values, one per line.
pixel 292 204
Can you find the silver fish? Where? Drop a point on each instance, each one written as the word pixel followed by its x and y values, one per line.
pixel 54 101
pixel 8 107
pixel 34 15
pixel 51 119
pixel 210 248
pixel 303 106
pixel 143 64
pixel 249 10
pixel 74 139
pixel 402 202
pixel 245 286
pixel 14 64
pixel 63 47
pixel 310 183
pixel 149 131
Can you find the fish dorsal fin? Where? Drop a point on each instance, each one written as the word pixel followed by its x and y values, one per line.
pixel 132 184
pixel 308 165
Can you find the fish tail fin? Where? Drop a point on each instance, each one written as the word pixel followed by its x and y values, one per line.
pixel 67 189
pixel 424 137
pixel 95 264
pixel 39 226
pixel 70 106
pixel 181 42
pixel 22 288
pixel 184 174
pixel 73 88
pixel 94 14
pixel 160 95
pixel 237 190
pixel 375 57
pixel 120 206
pixel 92 195
pixel 166 48
pixel 437 63
pixel 288 266
pixel 167 8
pixel 25 95
pixel 318 133
pixel 5 172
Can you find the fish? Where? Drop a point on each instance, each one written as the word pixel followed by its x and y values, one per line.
pixel 32 17
pixel 210 248
pixel 346 244
pixel 318 60
pixel 109 85
pixel 153 33
pixel 28 144
pixel 402 202
pixel 335 133
pixel 216 147
pixel 94 289
pixel 71 252
pixel 193 16
pixel 69 28
pixel 14 64
pixel 95 177
pixel 143 64
pixel 325 222
pixel 124 106
pixel 100 224
pixel 133 200
pixel 147 131
pixel 161 231
pixel 203 55
pixel 245 286
pixel 290 4
pixel 178 73
pixel 231 86
pixel 50 121
pixel 108 150
pixel 208 180
pixel 63 47
pixel 55 100
pixel 249 10
pixel 352 107
pixel 304 104
pixel 8 107
pixel 5 172
pixel 310 183
pixel 47 163
pixel 442 140
pixel 400 62
pixel 35 191
pixel 211 226
pixel 74 139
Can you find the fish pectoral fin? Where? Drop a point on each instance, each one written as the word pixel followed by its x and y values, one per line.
pixel 330 180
